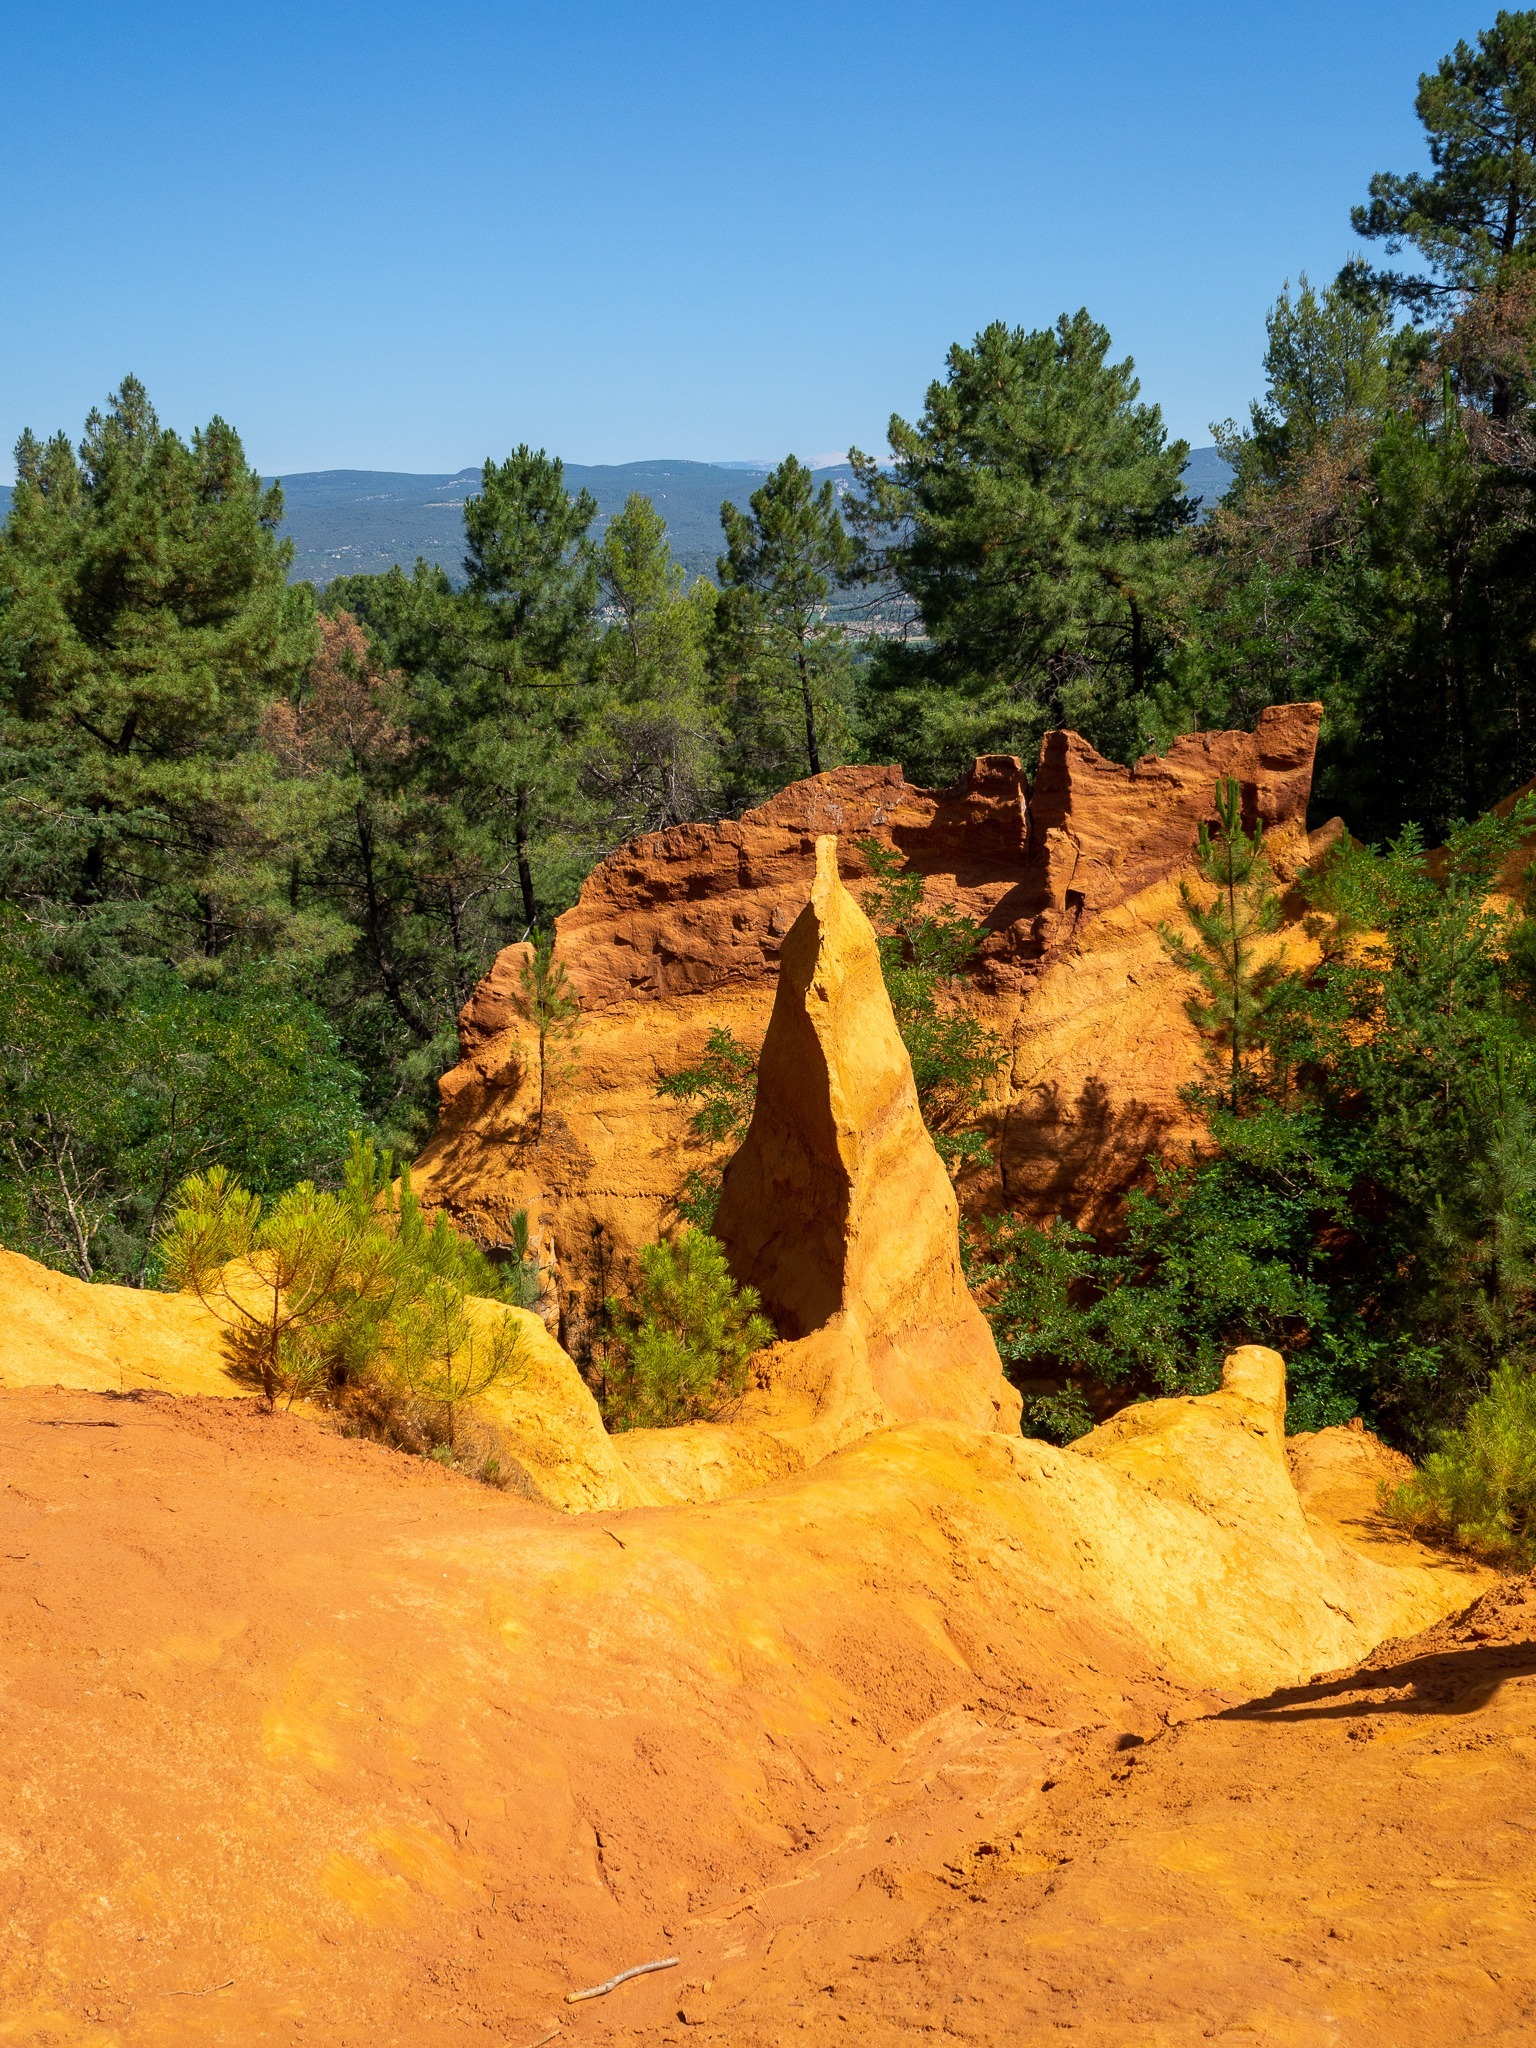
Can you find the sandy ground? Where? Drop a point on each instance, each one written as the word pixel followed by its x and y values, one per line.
pixel 1349 1862
pixel 286 1756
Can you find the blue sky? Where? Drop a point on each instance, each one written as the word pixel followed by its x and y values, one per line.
pixel 407 236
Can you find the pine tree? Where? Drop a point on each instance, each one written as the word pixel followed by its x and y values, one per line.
pixel 145 625
pixel 1236 989
pixel 524 625
pixel 651 742
pixel 684 1345
pixel 1471 221
pixel 549 1003
pixel 784 558
pixel 1033 516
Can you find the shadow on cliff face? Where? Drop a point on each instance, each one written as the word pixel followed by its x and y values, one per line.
pixel 1079 1154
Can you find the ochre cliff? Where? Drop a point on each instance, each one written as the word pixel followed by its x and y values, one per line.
pixel 837 1208
pixel 301 1729
pixel 683 930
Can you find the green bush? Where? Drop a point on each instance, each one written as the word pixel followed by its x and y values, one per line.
pixel 683 1345
pixel 1478 1490
pixel 350 1299
pixel 1363 1194
pixel 107 1106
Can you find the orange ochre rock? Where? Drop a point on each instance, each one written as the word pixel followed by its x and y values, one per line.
pixel 682 931
pixel 299 1730
pixel 837 1208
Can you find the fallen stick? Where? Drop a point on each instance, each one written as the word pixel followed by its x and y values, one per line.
pixel 640 1970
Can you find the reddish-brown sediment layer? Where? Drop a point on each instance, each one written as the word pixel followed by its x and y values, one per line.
pixel 682 931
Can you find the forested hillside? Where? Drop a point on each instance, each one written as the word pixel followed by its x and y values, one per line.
pixel 345 522
pixel 257 844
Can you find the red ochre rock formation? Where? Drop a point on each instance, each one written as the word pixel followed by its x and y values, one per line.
pixel 837 1208
pixel 407 1758
pixel 683 930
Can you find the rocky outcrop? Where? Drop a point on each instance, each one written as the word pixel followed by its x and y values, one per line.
pixel 541 1422
pixel 684 930
pixel 57 1331
pixel 837 1208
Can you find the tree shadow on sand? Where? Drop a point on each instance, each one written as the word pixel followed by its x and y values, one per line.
pixel 1457 1681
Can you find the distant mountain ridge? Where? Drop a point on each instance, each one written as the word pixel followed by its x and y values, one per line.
pixel 346 522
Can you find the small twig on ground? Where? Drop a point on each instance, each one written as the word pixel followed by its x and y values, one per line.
pixel 613 1983
pixel 228 1981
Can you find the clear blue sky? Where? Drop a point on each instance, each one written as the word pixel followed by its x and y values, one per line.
pixel 406 236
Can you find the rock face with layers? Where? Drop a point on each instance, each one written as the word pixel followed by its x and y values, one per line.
pixel 682 931
pixel 837 1208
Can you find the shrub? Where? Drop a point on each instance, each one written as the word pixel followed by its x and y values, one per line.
pixel 351 1299
pixel 523 1273
pixel 684 1344
pixel 1478 1490
pixel 297 1289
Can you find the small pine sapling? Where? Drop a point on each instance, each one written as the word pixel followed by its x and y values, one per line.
pixel 1236 990
pixel 686 1338
pixel 336 1296
pixel 290 1284
pixel 549 1003
pixel 447 1353
pixel 524 1275
pixel 1477 1491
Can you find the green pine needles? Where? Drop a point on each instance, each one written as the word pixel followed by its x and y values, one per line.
pixel 352 1299
pixel 547 1000
pixel 1477 1491
pixel 722 1083
pixel 683 1345
pixel 1236 987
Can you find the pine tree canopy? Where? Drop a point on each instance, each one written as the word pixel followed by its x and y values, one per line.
pixel 1471 220
pixel 1030 514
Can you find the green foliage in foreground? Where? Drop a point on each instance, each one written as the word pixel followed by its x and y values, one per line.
pixel 1368 1206
pixel 683 1344
pixel 1477 1490
pixel 352 1299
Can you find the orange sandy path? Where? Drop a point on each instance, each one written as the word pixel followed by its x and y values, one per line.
pixel 1347 1864
pixel 264 1782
